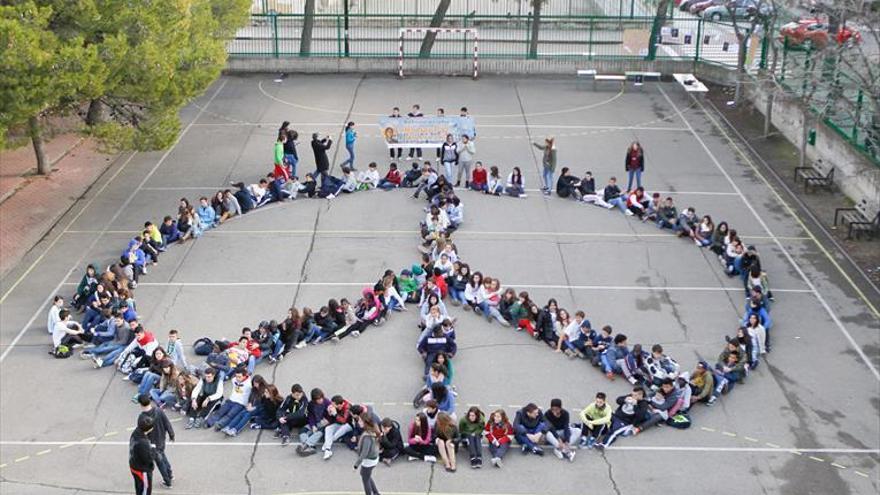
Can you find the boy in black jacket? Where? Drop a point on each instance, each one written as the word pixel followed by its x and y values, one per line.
pixel 140 456
pixel 161 428
pixel 292 413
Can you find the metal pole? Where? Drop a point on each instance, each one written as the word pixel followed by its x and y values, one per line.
pixel 345 13
pixel 590 56
pixel 858 117
pixel 275 34
pixel 338 38
pixel 699 40
pixel 632 6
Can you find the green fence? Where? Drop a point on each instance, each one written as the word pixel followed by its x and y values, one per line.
pixel 578 37
pixel 836 96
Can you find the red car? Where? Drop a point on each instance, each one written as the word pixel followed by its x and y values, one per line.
pixel 701 5
pixel 815 32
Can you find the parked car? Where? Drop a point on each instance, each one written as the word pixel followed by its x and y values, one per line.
pixel 814 32
pixel 702 5
pixel 741 9
pixel 685 5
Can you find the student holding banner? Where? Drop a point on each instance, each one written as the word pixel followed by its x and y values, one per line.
pixel 395 114
pixel 415 113
pixel 449 157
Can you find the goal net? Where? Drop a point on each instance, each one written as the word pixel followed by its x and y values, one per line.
pixel 458 48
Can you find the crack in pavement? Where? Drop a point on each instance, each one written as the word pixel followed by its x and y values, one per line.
pixel 75 489
pixel 430 480
pixel 610 473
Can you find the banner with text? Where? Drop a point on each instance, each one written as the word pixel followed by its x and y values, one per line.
pixel 428 132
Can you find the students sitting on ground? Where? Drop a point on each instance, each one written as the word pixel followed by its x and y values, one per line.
pixel 470 428
pixel 595 421
pixel 529 428
pixel 499 433
pixel 559 431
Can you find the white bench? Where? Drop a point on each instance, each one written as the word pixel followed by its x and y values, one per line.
pixel 690 83
pixel 591 75
pixel 639 77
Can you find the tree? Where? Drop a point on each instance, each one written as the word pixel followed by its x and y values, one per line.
pixel 436 21
pixel 659 20
pixel 305 39
pixel 148 60
pixel 536 27
pixel 763 15
pixel 40 72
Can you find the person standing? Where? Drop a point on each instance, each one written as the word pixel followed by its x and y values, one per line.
pixel 395 114
pixel 291 157
pixel 634 164
pixel 140 456
pixel 415 113
pixel 549 163
pixel 54 311
pixel 368 452
pixel 440 113
pixel 449 157
pixel 161 428
pixel 350 138
pixel 319 148
pixel 280 169
pixel 467 150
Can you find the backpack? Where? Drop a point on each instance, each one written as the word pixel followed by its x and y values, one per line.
pixel 128 364
pixel 203 346
pixel 680 421
pixel 62 352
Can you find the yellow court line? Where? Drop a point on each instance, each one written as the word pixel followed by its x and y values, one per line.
pixel 22 459
pixel 817 459
pixel 43 452
pixel 838 465
pixel 792 214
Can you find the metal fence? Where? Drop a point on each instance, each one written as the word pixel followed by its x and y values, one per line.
pixel 459 7
pixel 578 37
pixel 834 95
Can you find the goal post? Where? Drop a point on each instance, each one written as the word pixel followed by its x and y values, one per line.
pixel 465 31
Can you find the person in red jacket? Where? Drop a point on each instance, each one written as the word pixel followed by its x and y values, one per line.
pixel 392 178
pixel 255 355
pixel 440 281
pixel 479 178
pixel 338 419
pixel 498 434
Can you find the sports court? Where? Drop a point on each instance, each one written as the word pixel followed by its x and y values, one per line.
pixel 806 421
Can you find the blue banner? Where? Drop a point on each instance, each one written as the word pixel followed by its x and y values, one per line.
pixel 428 132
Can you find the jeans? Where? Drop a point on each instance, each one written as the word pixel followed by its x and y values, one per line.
pixel 464 167
pixel 148 382
pixel 479 187
pixel 163 398
pixel 619 202
pixel 163 465
pixel 555 436
pixel 103 348
pixel 350 160
pixel 386 185
pixel 241 419
pixel 457 295
pixel 333 433
pixel 474 446
pixel 665 224
pixel 310 438
pixel 291 164
pixel 91 318
pixel 111 356
pixel 521 435
pixel 252 363
pixel 609 366
pixel 449 169
pixel 228 410
pixel 638 175
pixel 278 348
pixel 499 451
pixel 490 312
pixel 514 191
pixel 367 479
pixel 547 176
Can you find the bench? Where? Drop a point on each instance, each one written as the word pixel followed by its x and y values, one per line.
pixel 591 75
pixel 690 83
pixel 815 176
pixel 861 219
pixel 639 77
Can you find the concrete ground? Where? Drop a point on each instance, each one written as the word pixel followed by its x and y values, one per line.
pixel 806 421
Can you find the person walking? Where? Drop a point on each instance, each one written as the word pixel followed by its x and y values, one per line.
pixel 161 428
pixel 319 148
pixel 368 452
pixel 634 164
pixel 350 138
pixel 549 163
pixel 291 157
pixel 140 456
pixel 467 150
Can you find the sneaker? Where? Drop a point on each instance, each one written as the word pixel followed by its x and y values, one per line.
pixel 255 426
pixel 331 196
pixel 525 450
pixel 126 378
pixel 538 452
pixel 166 484
pixel 505 323
pixel 628 213
pixel 134 398
pixel 523 195
pixel 558 453
pixel 386 461
pixel 711 401
pixel 98 362
pixel 430 458
pixel 301 345
pixel 189 424
pixel 571 455
pixel 307 451
pixel 83 355
pixel 328 454
pixel 498 463
pixel 355 334
pixel 285 441
pixel 411 458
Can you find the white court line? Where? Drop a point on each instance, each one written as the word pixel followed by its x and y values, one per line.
pixel 78 262
pixel 481 126
pixel 518 286
pixel 766 228
pixel 669 448
pixel 458 233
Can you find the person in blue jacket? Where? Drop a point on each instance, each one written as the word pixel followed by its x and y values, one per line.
pixel 350 138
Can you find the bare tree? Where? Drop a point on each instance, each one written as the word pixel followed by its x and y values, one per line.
pixel 536 27
pixel 305 40
pixel 761 14
pixel 436 21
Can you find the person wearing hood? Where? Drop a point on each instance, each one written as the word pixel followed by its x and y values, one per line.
pixel 84 289
pixel 662 406
pixel 632 411
pixel 702 383
pixel 319 148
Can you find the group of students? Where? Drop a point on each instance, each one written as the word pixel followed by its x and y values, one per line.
pixel 111 334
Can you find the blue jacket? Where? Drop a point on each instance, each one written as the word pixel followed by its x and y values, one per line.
pixel 140 257
pixel 433 345
pixel 350 136
pixel 207 215
pixel 763 316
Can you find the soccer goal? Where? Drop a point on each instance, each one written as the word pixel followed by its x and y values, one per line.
pixel 464 31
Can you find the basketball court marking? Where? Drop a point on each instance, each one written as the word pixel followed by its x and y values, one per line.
pixel 763 224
